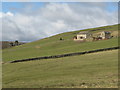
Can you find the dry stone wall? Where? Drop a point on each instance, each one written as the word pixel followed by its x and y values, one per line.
pixel 65 55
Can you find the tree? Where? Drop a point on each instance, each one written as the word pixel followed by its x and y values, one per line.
pixel 16 42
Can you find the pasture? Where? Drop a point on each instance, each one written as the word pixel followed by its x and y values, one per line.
pixel 96 70
pixel 54 46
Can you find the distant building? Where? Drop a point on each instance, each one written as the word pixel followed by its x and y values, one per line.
pixel 105 35
pixel 85 35
pixel 101 35
pixel 81 36
pixel 75 38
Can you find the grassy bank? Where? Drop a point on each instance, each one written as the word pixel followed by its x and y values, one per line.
pixel 96 70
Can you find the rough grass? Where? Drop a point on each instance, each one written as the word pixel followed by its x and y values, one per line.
pixel 96 70
pixel 53 46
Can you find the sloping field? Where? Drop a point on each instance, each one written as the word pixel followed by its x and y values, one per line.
pixel 96 70
pixel 53 45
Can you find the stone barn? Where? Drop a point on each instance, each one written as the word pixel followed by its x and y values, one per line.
pixel 105 35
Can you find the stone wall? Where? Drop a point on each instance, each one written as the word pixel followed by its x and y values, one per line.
pixel 65 55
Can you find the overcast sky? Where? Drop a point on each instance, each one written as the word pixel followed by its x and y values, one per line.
pixel 33 21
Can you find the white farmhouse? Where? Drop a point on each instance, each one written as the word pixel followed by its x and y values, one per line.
pixel 81 36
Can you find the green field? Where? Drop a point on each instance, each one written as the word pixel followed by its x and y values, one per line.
pixel 96 70
pixel 53 46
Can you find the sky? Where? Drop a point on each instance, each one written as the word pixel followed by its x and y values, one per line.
pixel 30 21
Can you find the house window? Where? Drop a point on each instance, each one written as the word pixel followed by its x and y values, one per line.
pixel 81 37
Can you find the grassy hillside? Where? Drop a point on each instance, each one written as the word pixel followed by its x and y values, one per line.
pixel 52 45
pixel 96 70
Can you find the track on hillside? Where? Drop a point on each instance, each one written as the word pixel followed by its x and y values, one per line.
pixel 64 55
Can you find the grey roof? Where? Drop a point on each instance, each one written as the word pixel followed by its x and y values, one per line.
pixel 106 32
pixel 83 32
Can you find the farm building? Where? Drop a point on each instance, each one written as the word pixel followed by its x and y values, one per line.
pixel 105 35
pixel 101 35
pixel 82 36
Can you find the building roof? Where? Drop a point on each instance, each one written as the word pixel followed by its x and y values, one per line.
pixel 106 32
pixel 83 32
